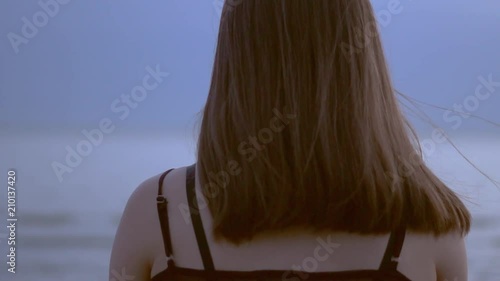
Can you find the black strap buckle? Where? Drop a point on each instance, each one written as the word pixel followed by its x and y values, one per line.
pixel 160 199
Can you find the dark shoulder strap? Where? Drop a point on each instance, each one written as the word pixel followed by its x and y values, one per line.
pixel 393 250
pixel 196 219
pixel 161 203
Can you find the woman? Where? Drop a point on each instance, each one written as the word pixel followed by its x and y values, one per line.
pixel 306 167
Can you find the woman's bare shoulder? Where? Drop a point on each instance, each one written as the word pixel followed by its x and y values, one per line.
pixel 451 255
pixel 139 231
pixel 448 252
pixel 149 188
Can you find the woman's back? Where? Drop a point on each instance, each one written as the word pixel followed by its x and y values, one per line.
pixel 301 130
pixel 285 254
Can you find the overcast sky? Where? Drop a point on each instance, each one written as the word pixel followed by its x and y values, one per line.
pixel 74 69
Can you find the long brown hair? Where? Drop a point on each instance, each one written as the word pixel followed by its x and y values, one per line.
pixel 302 128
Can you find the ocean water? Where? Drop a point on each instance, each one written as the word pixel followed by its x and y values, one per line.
pixel 65 228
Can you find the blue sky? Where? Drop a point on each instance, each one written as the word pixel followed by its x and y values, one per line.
pixel 91 52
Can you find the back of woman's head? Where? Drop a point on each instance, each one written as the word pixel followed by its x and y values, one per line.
pixel 302 128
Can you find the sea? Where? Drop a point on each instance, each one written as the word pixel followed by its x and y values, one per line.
pixel 66 221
